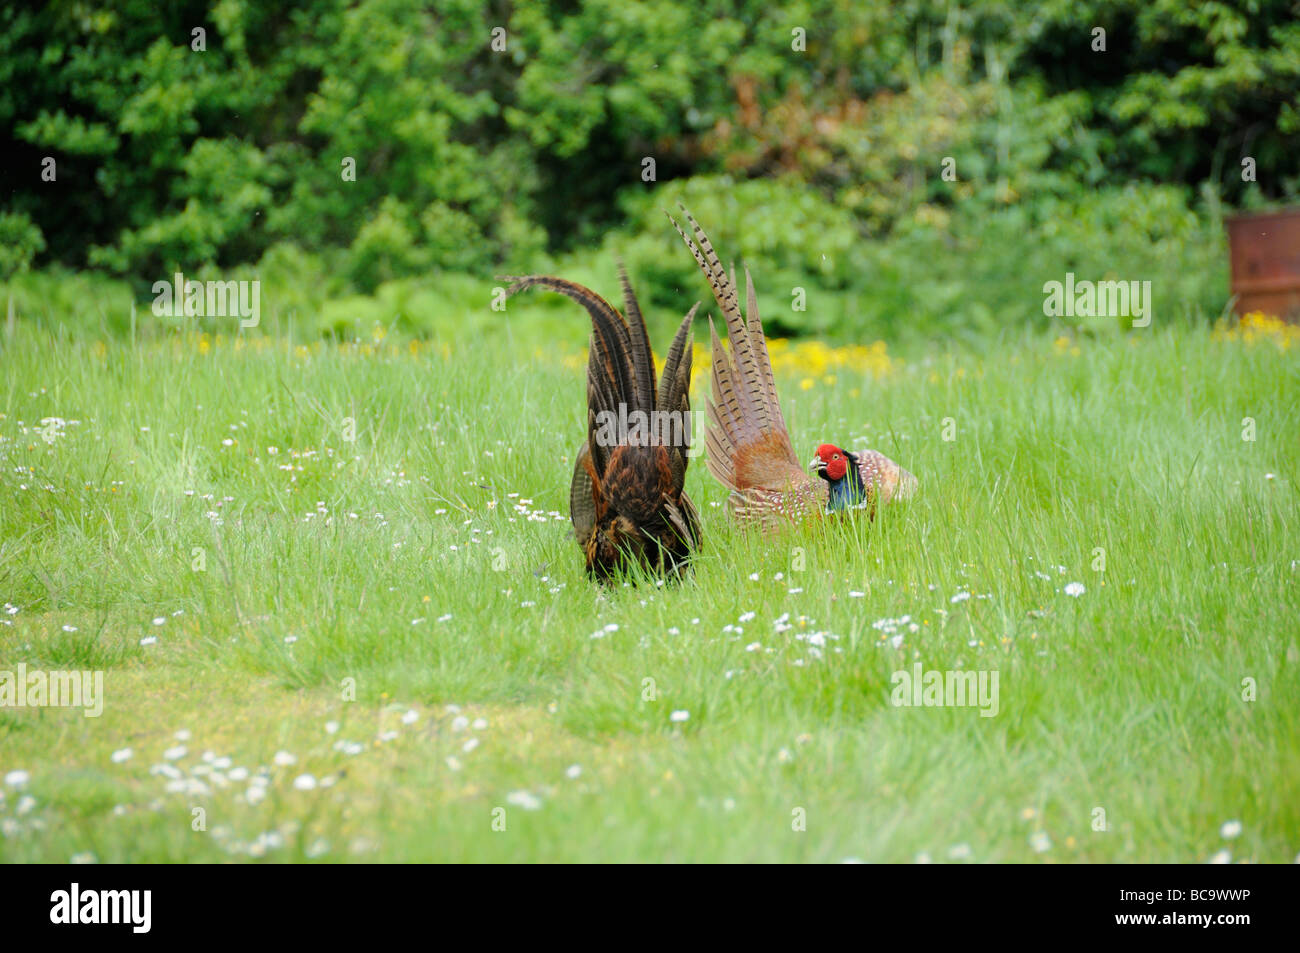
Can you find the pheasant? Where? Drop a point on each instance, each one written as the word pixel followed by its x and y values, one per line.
pixel 626 499
pixel 748 445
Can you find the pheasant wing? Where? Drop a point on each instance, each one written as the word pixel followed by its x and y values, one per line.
pixel 747 441
pixel 582 496
pixel 884 478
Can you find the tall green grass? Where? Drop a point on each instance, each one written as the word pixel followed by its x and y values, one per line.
pixel 406 545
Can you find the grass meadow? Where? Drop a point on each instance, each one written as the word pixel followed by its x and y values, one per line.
pixel 340 615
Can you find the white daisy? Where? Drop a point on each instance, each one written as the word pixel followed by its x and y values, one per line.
pixel 16 779
pixel 524 799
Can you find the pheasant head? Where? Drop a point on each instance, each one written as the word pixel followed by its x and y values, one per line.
pixel 839 469
pixel 831 463
pixel 853 477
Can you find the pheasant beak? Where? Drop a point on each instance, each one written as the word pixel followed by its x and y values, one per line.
pixel 817 465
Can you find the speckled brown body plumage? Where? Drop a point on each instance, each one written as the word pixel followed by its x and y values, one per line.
pixel 749 449
pixel 626 499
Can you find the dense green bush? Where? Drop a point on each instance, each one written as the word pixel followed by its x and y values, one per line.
pixel 338 149
pixel 20 241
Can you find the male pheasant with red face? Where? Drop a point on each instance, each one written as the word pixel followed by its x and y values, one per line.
pixel 626 499
pixel 749 449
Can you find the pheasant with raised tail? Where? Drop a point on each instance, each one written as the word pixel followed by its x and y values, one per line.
pixel 748 445
pixel 627 500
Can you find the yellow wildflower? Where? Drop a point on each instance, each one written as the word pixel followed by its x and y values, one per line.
pixel 1257 326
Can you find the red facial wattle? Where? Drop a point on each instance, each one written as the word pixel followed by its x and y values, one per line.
pixel 835 461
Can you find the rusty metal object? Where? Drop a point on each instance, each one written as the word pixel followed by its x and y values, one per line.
pixel 1264 249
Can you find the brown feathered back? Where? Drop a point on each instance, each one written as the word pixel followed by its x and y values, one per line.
pixel 626 498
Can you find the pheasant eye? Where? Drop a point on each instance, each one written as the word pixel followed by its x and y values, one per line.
pixel 835 457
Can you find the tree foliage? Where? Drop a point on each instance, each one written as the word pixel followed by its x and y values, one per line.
pixel 207 135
